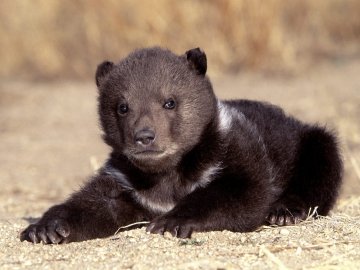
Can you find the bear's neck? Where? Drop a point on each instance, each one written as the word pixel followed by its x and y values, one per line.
pixel 206 154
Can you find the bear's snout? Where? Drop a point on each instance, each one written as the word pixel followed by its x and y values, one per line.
pixel 144 137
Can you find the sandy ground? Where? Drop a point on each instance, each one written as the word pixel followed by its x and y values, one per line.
pixel 50 143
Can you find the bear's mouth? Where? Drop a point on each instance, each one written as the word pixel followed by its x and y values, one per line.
pixel 149 153
pixel 154 159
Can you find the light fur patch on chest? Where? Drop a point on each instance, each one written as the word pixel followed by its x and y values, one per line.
pixel 149 201
pixel 168 193
pixel 155 206
pixel 161 199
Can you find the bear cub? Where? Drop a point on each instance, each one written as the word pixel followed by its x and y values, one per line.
pixel 189 162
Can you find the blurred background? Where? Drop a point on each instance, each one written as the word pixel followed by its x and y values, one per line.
pixel 303 55
pixel 52 39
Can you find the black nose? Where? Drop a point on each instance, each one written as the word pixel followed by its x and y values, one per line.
pixel 144 137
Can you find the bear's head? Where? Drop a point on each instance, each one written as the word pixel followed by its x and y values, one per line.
pixel 154 105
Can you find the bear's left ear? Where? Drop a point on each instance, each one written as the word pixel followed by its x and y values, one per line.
pixel 101 71
pixel 197 60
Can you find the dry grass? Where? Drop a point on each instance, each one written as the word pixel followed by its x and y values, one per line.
pixel 325 243
pixel 55 39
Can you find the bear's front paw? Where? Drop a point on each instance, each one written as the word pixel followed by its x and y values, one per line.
pixel 55 231
pixel 176 226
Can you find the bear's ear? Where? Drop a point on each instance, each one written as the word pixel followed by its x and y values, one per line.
pixel 102 70
pixel 197 60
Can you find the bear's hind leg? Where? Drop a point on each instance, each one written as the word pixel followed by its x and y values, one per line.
pixel 315 182
pixel 287 210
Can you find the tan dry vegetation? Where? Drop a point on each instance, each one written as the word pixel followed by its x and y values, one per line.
pixel 57 39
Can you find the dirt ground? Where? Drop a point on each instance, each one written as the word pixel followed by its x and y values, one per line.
pixel 50 143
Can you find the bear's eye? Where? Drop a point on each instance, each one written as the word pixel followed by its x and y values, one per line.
pixel 169 104
pixel 123 108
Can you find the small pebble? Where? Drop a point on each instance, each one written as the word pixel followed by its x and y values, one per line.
pixel 132 240
pixel 284 232
pixel 243 239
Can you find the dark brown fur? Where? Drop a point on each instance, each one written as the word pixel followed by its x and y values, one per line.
pixel 188 162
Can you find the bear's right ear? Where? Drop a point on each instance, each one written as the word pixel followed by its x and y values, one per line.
pixel 101 71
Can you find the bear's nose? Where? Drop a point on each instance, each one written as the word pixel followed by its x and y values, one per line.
pixel 144 137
